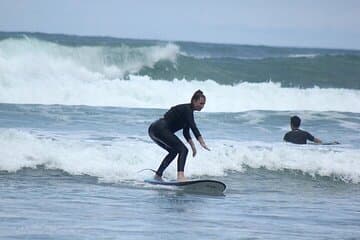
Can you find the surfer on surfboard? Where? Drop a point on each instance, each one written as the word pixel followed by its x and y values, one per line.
pixel 162 132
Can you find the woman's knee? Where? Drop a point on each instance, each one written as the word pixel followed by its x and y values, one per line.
pixel 183 150
pixel 172 154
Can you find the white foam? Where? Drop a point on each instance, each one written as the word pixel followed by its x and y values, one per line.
pixel 122 159
pixel 309 55
pixel 37 72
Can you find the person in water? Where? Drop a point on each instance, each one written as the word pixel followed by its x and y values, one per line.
pixel 297 135
pixel 162 132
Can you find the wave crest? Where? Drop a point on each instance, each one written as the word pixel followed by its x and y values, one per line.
pixel 115 161
pixel 33 58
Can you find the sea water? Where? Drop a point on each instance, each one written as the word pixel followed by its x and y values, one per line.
pixel 74 114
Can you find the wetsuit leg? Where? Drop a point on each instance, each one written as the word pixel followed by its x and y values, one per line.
pixel 165 163
pixel 162 136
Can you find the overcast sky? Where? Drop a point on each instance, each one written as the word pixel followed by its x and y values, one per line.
pixel 309 23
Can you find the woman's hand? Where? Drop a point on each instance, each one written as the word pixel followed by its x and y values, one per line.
pixel 202 143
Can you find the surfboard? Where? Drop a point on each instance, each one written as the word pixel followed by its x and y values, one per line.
pixel 326 143
pixel 198 186
pixel 330 143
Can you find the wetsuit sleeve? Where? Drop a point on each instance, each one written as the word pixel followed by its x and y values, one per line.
pixel 192 125
pixel 310 137
pixel 186 133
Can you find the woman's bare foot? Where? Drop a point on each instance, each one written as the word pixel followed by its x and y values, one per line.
pixel 181 177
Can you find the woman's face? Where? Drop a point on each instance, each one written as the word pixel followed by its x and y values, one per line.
pixel 199 104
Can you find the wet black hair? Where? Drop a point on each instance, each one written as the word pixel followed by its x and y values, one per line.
pixel 197 95
pixel 295 121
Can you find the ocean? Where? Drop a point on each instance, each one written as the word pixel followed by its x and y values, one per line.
pixel 74 115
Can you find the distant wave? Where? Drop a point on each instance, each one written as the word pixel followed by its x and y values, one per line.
pixel 226 64
pixel 34 71
pixel 309 55
pixel 142 92
pixel 32 58
pixel 326 71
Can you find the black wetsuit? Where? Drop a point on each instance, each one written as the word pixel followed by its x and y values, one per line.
pixel 298 136
pixel 162 132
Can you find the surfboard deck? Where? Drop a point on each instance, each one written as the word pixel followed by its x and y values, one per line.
pixel 200 186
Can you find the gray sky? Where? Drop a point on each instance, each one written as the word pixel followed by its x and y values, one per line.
pixel 309 23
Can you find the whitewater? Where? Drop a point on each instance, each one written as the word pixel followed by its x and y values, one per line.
pixel 85 76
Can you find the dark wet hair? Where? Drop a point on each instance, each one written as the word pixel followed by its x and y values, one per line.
pixel 295 121
pixel 197 95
